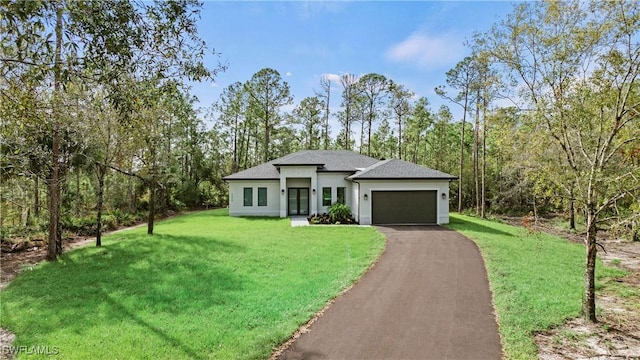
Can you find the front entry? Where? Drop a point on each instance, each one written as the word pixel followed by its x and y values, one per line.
pixel 298 201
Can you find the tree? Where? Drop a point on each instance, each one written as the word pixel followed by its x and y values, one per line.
pixel 232 107
pixel 325 95
pixel 578 66
pixel 267 94
pixel 419 124
pixel 308 114
pixel 461 77
pixel 347 115
pixel 95 43
pixel 373 88
pixel 400 107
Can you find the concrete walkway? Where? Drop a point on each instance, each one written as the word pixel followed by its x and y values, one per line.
pixel 299 221
pixel 428 297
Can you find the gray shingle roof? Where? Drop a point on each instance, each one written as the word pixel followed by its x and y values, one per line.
pixel 399 169
pixel 325 160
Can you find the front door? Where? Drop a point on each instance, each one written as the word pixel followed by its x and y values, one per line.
pixel 298 201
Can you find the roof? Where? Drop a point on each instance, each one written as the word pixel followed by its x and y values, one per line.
pixel 399 169
pixel 325 160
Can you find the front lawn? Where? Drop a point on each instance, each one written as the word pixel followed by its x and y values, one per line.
pixel 536 279
pixel 205 286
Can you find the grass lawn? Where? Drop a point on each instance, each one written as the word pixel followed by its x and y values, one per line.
pixel 536 279
pixel 205 286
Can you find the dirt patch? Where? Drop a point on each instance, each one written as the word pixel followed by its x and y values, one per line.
pixel 617 335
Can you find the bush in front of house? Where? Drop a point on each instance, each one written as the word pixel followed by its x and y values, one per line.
pixel 338 214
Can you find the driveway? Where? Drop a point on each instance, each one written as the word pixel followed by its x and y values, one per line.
pixel 427 298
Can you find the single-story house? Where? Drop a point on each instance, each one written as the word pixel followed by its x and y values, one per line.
pixel 308 182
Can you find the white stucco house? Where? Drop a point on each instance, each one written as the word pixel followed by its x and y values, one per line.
pixel 308 182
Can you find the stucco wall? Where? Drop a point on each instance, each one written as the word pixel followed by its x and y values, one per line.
pixel 367 186
pixel 334 181
pixel 236 198
pixel 299 172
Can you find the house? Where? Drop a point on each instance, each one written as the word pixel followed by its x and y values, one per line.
pixel 308 182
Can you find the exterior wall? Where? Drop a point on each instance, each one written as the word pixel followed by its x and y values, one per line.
pixel 367 186
pixel 334 181
pixel 236 198
pixel 292 176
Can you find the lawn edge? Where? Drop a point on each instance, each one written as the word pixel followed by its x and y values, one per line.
pixel 496 315
pixel 305 328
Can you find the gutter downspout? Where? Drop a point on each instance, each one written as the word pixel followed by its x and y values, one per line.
pixel 359 195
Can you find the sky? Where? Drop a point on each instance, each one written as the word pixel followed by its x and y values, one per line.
pixel 414 43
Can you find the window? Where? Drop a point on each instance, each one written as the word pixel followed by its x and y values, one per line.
pixel 341 195
pixel 248 196
pixel 262 196
pixel 326 196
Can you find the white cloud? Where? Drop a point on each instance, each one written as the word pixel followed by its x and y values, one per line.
pixel 332 77
pixel 425 50
pixel 288 73
pixel 214 85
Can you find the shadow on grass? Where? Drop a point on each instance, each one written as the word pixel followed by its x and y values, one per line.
pixel 141 283
pixel 456 223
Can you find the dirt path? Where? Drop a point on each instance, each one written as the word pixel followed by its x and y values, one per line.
pixel 427 298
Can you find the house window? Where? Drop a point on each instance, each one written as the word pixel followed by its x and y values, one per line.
pixel 262 196
pixel 341 195
pixel 248 196
pixel 326 196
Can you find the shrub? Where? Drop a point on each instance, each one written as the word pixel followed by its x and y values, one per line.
pixel 339 213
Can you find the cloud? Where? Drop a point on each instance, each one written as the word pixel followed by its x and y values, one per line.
pixel 332 77
pixel 288 73
pixel 427 51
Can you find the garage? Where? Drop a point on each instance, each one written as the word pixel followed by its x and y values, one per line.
pixel 404 207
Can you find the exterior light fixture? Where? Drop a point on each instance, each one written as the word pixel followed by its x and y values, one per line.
pixel 282 191
pixel 313 191
pixel 366 197
pixel 444 196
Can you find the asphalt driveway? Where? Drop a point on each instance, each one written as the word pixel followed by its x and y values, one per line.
pixel 427 298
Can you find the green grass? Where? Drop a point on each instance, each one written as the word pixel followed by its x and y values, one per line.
pixel 536 279
pixel 205 286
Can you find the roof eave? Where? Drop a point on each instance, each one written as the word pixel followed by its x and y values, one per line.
pixel 401 178
pixel 249 178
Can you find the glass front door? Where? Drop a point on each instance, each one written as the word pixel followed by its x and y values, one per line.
pixel 298 201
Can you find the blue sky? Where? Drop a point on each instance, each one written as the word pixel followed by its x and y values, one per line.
pixel 414 43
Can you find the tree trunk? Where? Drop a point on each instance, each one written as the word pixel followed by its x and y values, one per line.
pixel 78 200
pixel 267 136
pixel 100 172
pixel 369 134
pixel 590 270
pixel 572 212
pixel 234 165
pixel 326 119
pixel 361 135
pixel 464 121
pixel 476 142
pixel 400 138
pixel 54 248
pixel 152 205
pixel 483 197
pixel 36 197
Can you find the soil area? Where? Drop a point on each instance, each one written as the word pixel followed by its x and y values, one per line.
pixel 617 334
